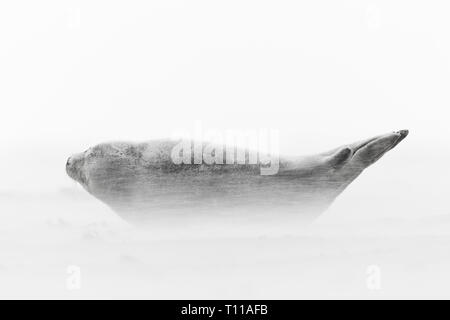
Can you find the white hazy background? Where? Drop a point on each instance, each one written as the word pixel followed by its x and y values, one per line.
pixel 323 73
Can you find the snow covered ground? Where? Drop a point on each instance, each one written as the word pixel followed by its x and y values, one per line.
pixel 49 234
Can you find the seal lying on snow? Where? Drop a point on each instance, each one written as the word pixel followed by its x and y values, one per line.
pixel 139 181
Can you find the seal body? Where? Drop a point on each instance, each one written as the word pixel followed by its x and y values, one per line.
pixel 142 181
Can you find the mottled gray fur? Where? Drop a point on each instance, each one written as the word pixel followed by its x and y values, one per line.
pixel 140 181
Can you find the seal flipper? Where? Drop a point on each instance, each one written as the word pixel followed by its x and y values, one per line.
pixel 340 157
pixel 375 148
pixel 365 152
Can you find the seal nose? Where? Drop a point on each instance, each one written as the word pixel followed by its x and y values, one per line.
pixel 69 160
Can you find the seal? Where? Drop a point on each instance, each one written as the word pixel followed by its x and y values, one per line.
pixel 142 181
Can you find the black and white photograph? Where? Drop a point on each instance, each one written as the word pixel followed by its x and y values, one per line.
pixel 224 151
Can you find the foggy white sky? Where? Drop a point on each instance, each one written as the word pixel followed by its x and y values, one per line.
pixel 75 73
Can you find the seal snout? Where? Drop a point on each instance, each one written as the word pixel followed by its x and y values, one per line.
pixel 74 168
pixel 69 168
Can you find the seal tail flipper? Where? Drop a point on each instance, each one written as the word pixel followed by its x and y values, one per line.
pixel 368 153
pixel 365 152
pixel 340 157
